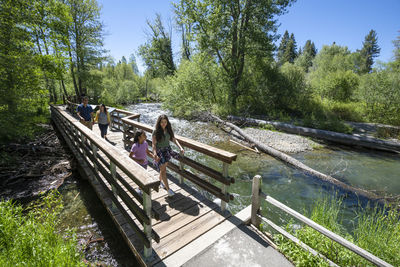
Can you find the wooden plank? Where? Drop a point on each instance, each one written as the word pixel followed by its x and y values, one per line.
pixel 207 170
pixel 186 234
pixel 181 219
pixel 179 206
pixel 200 182
pixel 204 241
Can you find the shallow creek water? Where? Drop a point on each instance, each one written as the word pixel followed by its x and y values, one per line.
pixel 362 168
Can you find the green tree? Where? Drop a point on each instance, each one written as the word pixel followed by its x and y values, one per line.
pixel 20 71
pixel 369 51
pixel 282 48
pixel 233 31
pixel 85 41
pixel 306 56
pixel 380 92
pixel 290 52
pixel 332 75
pixel 157 52
pixel 132 62
pixel 397 50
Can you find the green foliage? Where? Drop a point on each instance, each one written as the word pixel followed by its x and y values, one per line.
pixel 282 48
pixel 321 115
pixel 369 51
pixel 232 33
pixel 157 52
pixel 380 92
pixel 196 86
pixel 332 74
pixel 339 85
pixel 29 237
pixel 377 231
pixel 305 59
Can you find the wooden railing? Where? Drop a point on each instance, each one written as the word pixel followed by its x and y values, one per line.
pixel 256 218
pixel 115 114
pixel 130 126
pixel 86 146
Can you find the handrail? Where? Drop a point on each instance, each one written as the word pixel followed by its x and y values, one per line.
pixel 255 219
pixel 85 144
pixel 214 152
pixel 129 167
pixel 219 154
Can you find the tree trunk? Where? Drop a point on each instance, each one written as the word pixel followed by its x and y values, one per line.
pixel 297 164
pixel 341 138
pixel 73 73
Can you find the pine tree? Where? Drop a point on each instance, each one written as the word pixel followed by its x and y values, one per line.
pixel 282 47
pixel 369 51
pixel 290 51
pixel 310 49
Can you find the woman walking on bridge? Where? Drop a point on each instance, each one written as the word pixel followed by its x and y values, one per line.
pixel 103 118
pixel 162 135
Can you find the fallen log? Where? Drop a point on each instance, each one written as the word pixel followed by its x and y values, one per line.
pixel 340 138
pixel 297 164
pixel 246 147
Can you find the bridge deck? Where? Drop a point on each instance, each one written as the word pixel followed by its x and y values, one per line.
pixel 183 217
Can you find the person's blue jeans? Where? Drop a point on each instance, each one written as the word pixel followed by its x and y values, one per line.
pixel 103 129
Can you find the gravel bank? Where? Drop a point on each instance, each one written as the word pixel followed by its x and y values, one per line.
pixel 288 143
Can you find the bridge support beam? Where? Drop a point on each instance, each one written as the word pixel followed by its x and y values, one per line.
pixel 255 201
pixel 147 227
pixel 224 188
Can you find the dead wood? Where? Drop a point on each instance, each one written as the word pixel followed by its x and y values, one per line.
pixel 297 164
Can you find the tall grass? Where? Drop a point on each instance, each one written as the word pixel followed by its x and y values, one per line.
pixel 376 230
pixel 29 237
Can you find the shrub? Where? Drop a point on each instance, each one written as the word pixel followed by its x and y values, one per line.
pixel 29 237
pixel 377 231
pixel 380 91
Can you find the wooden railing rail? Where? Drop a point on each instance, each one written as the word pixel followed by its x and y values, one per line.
pixel 86 145
pixel 225 157
pixel 115 115
pixel 258 195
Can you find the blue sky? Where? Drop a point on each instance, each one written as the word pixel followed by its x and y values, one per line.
pixel 345 22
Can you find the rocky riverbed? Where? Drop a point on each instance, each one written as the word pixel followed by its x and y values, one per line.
pixel 287 143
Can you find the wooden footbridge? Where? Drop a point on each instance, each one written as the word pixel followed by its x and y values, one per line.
pixel 172 231
pixel 154 226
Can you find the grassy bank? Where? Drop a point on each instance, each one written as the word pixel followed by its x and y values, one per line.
pixel 29 236
pixel 376 230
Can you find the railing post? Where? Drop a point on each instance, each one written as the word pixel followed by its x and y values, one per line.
pixel 113 170
pixel 147 227
pixel 124 135
pixel 181 168
pixel 94 150
pixel 224 188
pixel 83 140
pixel 255 201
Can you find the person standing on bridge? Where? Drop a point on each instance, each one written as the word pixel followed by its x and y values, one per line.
pixel 103 118
pixel 140 149
pixel 162 135
pixel 85 113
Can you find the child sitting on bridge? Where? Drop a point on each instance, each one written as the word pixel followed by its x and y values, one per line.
pixel 162 151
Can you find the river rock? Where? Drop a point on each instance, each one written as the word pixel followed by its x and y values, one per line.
pixel 288 143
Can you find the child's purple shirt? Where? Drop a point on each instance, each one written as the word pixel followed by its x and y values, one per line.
pixel 139 151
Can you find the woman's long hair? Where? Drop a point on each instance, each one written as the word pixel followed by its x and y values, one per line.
pixel 105 108
pixel 159 130
pixel 137 134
